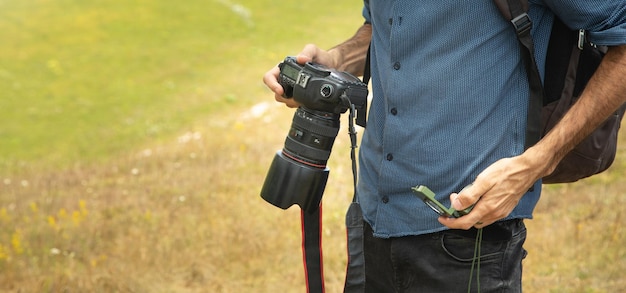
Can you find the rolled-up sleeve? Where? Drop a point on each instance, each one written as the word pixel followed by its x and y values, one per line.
pixel 605 20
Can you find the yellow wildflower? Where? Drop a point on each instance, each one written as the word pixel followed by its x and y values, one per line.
pixel 83 208
pixel 62 213
pixel 16 242
pixel 34 208
pixel 77 218
pixel 53 223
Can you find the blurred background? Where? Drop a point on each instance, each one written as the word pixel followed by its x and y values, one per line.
pixel 135 136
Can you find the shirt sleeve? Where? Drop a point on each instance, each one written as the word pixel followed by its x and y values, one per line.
pixel 366 11
pixel 605 20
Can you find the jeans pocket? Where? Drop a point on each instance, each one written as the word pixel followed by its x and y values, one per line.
pixel 463 248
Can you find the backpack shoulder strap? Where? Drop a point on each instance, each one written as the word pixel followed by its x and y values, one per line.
pixel 515 12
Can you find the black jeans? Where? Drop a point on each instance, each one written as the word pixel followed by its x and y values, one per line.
pixel 442 262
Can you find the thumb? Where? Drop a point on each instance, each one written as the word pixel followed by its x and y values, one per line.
pixel 309 53
pixel 468 196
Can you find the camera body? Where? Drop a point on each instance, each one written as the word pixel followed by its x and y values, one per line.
pixel 298 173
pixel 320 88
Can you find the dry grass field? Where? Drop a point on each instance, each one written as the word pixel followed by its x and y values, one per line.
pixel 185 216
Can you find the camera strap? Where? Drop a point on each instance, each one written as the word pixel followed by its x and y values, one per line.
pixel 312 224
pixel 312 250
pixel 355 271
pixel 312 235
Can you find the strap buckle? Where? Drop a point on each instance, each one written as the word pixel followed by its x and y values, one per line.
pixel 581 39
pixel 522 24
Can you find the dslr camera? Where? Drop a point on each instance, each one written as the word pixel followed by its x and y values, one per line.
pixel 298 173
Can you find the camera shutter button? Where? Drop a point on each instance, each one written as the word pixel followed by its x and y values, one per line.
pixel 326 90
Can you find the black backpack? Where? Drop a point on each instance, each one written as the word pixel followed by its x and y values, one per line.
pixel 570 62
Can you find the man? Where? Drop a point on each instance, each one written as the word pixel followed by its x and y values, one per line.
pixel 449 108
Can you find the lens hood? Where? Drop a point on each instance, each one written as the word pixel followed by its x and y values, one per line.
pixel 289 182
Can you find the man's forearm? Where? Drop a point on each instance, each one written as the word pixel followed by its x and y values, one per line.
pixel 350 55
pixel 605 92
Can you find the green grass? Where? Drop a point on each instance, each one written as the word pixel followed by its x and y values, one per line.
pixel 78 75
pixel 130 162
pixel 82 80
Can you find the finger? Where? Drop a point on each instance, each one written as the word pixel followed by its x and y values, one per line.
pixel 271 81
pixel 309 53
pixel 469 195
pixel 463 223
pixel 478 217
pixel 289 102
pixel 473 219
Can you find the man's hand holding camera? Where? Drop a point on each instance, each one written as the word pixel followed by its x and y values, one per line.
pixel 310 53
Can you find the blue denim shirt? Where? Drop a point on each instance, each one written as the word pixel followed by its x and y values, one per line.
pixel 450 98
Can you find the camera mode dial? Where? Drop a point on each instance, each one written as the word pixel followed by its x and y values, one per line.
pixel 327 90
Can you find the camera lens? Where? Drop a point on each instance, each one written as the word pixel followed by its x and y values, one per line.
pixel 311 137
pixel 298 173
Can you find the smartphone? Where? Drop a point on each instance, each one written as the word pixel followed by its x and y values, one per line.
pixel 428 197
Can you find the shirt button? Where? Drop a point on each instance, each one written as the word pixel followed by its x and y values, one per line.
pixel 394 111
pixel 396 65
pixel 390 21
pixel 389 157
pixel 385 199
